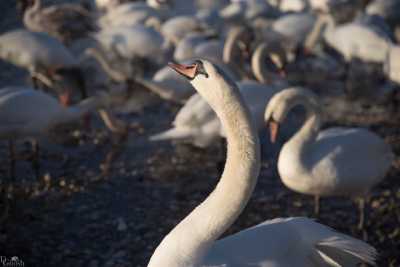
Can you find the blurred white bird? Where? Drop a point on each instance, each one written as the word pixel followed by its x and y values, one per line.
pixel 44 57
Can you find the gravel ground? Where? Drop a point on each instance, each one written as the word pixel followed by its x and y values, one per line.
pixel 75 216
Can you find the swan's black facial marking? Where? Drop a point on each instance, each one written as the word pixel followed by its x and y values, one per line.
pixel 200 69
pixel 190 71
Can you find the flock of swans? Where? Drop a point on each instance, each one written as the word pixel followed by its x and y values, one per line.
pixel 242 66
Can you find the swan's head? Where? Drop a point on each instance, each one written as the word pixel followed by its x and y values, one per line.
pixel 282 103
pixel 208 79
pixel 160 3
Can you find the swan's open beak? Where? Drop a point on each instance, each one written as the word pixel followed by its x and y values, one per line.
pixel 274 130
pixel 189 71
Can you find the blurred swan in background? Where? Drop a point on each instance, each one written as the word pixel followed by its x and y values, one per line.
pixel 335 161
pixel 27 113
pixel 279 242
pixel 66 22
pixel 46 59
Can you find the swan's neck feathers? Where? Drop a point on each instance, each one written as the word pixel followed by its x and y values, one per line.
pixel 187 243
pixel 30 12
pixel 293 164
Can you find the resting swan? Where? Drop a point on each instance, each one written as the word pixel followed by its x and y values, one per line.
pixel 336 161
pixel 279 242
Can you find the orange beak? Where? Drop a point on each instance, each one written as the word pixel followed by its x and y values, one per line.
pixel 189 71
pixel 65 98
pixel 274 130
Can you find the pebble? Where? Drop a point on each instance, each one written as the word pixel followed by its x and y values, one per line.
pixel 121 225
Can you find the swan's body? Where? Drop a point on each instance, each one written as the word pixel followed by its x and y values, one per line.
pixel 351 40
pixel 28 113
pixel 392 64
pixel 197 123
pixel 66 22
pixel 176 28
pixel 132 43
pixel 295 27
pixel 43 56
pixel 281 242
pixel 185 49
pixel 336 161
pixel 33 51
pixel 130 14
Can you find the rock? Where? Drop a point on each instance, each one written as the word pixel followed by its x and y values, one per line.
pixel 121 225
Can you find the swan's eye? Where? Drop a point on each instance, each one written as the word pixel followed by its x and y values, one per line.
pixel 200 69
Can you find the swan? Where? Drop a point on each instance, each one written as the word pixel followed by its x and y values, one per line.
pixel 351 40
pixel 278 242
pixel 45 58
pixel 132 45
pixel 185 48
pixel 165 83
pixel 392 64
pixel 150 13
pixel 196 123
pixel 176 28
pixel 28 113
pixel 65 22
pixel 387 9
pixel 336 161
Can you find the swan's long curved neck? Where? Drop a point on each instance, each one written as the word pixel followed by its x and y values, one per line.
pixel 189 240
pixel 324 25
pixel 259 68
pixel 31 11
pixel 257 65
pixel 98 55
pixel 310 129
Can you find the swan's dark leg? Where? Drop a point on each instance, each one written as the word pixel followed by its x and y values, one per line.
pixel 35 158
pixel 35 83
pixel 316 205
pixel 11 149
pixel 361 207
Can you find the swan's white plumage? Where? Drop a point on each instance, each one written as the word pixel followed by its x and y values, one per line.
pixel 286 242
pixel 197 123
pixel 336 161
pixel 280 242
pixel 32 50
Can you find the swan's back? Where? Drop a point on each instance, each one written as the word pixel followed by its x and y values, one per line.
pixel 295 26
pixel 26 109
pixel 288 242
pixel 131 42
pixel 27 49
pixel 351 160
pixel 354 40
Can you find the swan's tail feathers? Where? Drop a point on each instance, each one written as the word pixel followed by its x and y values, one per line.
pixel 174 133
pixel 345 251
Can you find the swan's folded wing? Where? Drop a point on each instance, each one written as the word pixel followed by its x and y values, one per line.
pixel 289 242
pixel 270 244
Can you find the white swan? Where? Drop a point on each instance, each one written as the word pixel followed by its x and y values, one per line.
pixel 27 113
pixel 336 161
pixel 65 22
pixel 132 46
pixel 279 242
pixel 351 40
pixel 44 57
pixel 128 14
pixel 196 123
pixel 176 28
pixel 392 64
